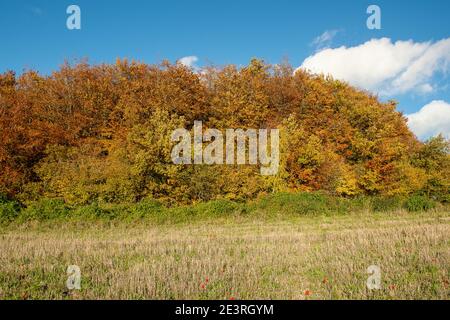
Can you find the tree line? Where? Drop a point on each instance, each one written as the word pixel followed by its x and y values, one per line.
pixel 101 133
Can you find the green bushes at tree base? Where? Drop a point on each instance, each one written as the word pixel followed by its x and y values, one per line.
pixel 272 205
pixel 419 203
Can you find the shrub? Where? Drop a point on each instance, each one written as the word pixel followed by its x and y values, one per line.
pixel 302 203
pixel 3 198
pixel 180 214
pixel 45 209
pixel 359 203
pixel 419 203
pixel 145 208
pixel 215 207
pixel 91 211
pixel 384 204
pixel 9 211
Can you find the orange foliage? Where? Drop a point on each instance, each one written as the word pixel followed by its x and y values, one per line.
pixel 58 131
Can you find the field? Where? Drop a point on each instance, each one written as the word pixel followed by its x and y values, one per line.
pixel 307 257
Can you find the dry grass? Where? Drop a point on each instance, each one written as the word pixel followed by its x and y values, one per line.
pixel 324 257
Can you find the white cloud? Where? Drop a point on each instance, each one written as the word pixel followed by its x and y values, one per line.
pixel 324 40
pixel 432 119
pixel 435 58
pixel 190 62
pixel 425 88
pixel 384 67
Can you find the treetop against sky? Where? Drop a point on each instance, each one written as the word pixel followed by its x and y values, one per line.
pixel 398 50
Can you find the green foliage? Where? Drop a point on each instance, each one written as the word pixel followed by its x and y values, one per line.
pixel 221 208
pixel 144 208
pixel 304 203
pixel 385 204
pixel 92 211
pixel 9 211
pixel 3 198
pixel 45 209
pixel 214 208
pixel 434 158
pixel 269 206
pixel 419 203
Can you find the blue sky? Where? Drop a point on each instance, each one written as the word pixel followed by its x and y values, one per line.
pixel 35 36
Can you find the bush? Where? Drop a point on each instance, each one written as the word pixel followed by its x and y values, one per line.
pixel 3 198
pixel 215 208
pixel 303 203
pixel 91 211
pixel 9 211
pixel 180 214
pixel 145 207
pixel 385 204
pixel 419 203
pixel 45 209
pixel 273 205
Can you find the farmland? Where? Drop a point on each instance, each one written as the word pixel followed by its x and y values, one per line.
pixel 231 257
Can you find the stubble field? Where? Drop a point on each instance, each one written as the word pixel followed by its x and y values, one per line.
pixel 298 258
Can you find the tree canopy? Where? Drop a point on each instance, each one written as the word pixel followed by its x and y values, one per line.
pixel 102 133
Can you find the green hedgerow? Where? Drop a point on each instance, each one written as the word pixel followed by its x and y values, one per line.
pixel 304 203
pixel 145 207
pixel 9 211
pixel 45 209
pixel 419 203
pixel 385 204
